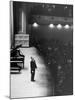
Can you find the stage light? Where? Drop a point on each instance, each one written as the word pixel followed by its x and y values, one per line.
pixel 35 24
pixel 59 26
pixel 66 26
pixel 51 26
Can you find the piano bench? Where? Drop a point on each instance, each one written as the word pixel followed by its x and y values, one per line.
pixel 15 68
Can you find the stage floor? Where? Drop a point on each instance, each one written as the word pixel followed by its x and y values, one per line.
pixel 21 84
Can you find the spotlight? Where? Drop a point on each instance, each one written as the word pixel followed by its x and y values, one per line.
pixel 59 26
pixel 35 24
pixel 66 26
pixel 51 26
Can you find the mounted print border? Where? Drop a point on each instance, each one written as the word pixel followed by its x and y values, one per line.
pixel 41 49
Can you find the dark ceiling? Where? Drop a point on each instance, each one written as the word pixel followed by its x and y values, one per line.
pixel 53 10
pixel 59 10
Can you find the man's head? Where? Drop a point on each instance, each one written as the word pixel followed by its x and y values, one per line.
pixel 32 59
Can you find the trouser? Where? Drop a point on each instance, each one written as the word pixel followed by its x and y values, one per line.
pixel 32 75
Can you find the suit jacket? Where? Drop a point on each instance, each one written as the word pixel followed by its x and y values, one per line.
pixel 33 65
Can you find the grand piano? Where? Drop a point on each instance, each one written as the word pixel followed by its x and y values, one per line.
pixel 16 59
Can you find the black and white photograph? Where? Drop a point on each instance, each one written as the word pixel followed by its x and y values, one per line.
pixel 41 49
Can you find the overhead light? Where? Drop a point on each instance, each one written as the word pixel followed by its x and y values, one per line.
pixel 53 6
pixel 59 26
pixel 35 24
pixel 65 7
pixel 66 26
pixel 51 26
pixel 43 5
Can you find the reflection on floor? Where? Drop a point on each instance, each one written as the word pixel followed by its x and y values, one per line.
pixel 21 85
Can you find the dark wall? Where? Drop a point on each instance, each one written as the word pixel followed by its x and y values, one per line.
pixel 44 32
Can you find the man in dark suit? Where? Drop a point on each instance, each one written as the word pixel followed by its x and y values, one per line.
pixel 33 67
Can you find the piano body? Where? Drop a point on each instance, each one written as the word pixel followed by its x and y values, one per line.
pixel 16 58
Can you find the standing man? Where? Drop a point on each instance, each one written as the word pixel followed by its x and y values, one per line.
pixel 33 67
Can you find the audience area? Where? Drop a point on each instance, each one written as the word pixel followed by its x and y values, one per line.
pixel 59 59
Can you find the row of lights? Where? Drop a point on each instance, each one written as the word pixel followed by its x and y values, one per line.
pixel 59 26
pixel 52 6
